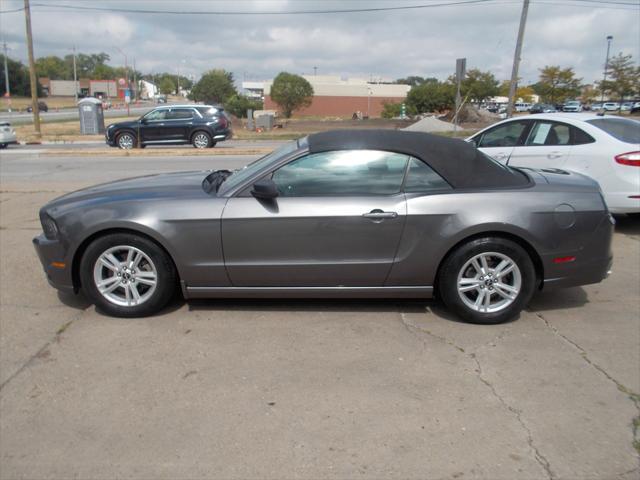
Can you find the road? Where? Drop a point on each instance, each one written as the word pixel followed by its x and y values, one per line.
pixel 22 118
pixel 305 389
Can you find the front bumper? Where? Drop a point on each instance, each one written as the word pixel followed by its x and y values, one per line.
pixel 52 257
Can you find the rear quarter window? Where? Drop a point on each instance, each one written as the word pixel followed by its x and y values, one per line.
pixel 623 129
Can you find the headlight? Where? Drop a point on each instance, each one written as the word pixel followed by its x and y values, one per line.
pixel 49 226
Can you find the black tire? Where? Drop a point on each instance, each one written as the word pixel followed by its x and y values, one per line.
pixel 3 145
pixel 213 144
pixel 495 250
pixel 201 139
pixel 157 263
pixel 126 141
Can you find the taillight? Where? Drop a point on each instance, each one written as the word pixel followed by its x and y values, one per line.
pixel 222 121
pixel 629 158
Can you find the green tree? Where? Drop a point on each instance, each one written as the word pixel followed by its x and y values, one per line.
pixel 18 78
pixel 215 86
pixel 479 86
pixel 53 67
pixel 431 96
pixel 623 78
pixel 557 84
pixel 167 86
pixel 391 110
pixel 238 105
pixel 291 92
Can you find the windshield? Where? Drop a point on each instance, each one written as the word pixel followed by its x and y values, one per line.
pixel 241 175
pixel 623 129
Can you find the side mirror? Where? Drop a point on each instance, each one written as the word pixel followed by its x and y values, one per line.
pixel 144 121
pixel 265 189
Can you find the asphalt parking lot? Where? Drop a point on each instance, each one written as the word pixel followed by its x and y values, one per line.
pixel 305 389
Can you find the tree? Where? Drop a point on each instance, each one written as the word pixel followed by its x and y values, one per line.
pixel 525 94
pixel 431 96
pixel 556 84
pixel 623 78
pixel 18 78
pixel 215 86
pixel 391 110
pixel 479 86
pixel 239 104
pixel 167 86
pixel 53 67
pixel 412 80
pixel 291 92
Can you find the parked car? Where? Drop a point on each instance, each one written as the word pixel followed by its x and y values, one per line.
pixel 42 107
pixel 349 213
pixel 610 106
pixel 572 106
pixel 635 108
pixel 7 135
pixel 522 107
pixel 596 106
pixel 199 125
pixel 602 147
pixel 626 107
pixel 542 108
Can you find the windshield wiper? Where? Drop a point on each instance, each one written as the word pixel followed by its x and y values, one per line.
pixel 214 180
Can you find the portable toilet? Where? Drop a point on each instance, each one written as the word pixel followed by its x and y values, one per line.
pixel 91 116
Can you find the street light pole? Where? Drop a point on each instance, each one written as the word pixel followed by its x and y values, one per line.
pixel 516 59
pixel 126 80
pixel 7 90
pixel 606 67
pixel 32 72
pixel 75 75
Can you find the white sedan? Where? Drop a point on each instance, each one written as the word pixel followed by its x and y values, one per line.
pixel 7 134
pixel 606 148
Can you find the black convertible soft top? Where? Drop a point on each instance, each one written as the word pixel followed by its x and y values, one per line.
pixel 459 162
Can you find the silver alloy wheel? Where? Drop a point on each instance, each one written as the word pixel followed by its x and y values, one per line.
pixel 489 282
pixel 125 276
pixel 201 140
pixel 125 141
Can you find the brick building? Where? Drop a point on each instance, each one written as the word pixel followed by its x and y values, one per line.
pixel 341 98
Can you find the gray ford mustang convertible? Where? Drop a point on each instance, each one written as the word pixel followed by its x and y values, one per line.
pixel 338 214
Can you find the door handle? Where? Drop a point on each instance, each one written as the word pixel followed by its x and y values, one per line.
pixel 379 215
pixel 554 155
pixel 500 156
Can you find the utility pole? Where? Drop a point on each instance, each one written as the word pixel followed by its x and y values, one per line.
pixel 7 90
pixel 135 81
pixel 516 59
pixel 606 67
pixel 126 80
pixel 32 72
pixel 315 70
pixel 75 75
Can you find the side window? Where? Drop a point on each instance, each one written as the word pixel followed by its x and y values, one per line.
pixel 549 133
pixel 342 172
pixel 180 114
pixel 421 178
pixel 506 135
pixel 580 137
pixel 156 115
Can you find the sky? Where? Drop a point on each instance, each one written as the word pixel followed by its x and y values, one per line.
pixel 378 44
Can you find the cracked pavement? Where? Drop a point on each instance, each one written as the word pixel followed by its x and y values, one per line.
pixel 305 389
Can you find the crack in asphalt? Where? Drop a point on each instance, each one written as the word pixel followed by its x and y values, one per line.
pixel 537 455
pixel 40 353
pixel 633 396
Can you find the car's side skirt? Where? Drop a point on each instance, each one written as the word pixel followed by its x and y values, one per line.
pixel 308 292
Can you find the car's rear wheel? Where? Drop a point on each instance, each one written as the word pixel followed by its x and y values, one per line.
pixel 126 275
pixel 201 140
pixel 126 140
pixel 3 145
pixel 487 280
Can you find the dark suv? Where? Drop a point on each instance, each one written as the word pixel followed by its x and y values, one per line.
pixel 200 125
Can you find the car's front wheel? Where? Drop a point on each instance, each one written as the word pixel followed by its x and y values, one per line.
pixel 201 140
pixel 126 275
pixel 126 140
pixel 487 280
pixel 3 145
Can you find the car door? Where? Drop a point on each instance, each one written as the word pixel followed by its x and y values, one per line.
pixel 498 142
pixel 178 124
pixel 150 126
pixel 337 221
pixel 548 145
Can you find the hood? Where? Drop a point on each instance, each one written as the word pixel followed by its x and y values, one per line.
pixel 127 124
pixel 179 184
